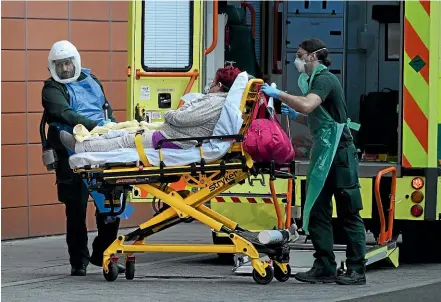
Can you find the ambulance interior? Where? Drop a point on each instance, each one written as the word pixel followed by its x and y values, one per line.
pixel 364 39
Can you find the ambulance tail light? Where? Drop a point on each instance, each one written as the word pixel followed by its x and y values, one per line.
pixel 417 183
pixel 417 196
pixel 416 210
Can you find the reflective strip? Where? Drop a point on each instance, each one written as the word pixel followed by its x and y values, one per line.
pixel 415 155
pixel 416 84
pixel 416 120
pixel 254 200
pixel 413 82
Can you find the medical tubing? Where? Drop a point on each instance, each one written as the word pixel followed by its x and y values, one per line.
pixel 43 128
pixel 276 205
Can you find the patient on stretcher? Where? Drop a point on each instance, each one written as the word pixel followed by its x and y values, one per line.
pixel 196 118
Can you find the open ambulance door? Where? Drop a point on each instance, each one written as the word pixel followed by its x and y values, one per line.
pixel 164 58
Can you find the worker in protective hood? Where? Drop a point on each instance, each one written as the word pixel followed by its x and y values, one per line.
pixel 71 96
pixel 333 170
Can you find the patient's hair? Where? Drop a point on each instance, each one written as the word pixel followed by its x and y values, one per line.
pixel 226 76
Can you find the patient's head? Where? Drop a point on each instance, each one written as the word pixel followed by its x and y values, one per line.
pixel 224 79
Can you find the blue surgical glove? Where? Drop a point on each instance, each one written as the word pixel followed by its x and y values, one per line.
pixel 103 123
pixel 270 91
pixel 291 113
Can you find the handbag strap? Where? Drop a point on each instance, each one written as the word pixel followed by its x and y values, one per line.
pixel 258 107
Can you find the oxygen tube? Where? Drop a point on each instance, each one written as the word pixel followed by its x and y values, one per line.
pixel 269 237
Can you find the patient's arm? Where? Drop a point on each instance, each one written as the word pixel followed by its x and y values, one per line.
pixel 196 112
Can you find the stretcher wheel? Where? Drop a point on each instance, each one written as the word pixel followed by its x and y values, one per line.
pixel 264 280
pixel 113 272
pixel 130 270
pixel 281 276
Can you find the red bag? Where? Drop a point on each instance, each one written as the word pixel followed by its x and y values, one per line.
pixel 265 139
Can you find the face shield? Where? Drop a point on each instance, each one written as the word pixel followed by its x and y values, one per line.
pixel 64 62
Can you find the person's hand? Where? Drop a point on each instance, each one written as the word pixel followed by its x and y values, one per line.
pixel 290 112
pixel 270 91
pixel 103 123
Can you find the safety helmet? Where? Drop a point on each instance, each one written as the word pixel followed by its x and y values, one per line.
pixel 62 51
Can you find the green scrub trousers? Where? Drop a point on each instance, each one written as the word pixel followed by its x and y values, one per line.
pixel 342 182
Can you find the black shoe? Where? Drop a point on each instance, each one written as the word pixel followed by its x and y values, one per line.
pixel 315 275
pixel 351 278
pixel 78 270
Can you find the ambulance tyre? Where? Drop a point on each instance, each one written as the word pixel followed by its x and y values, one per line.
pixel 264 280
pixel 419 243
pixel 281 276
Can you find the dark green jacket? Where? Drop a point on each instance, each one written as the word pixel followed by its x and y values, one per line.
pixel 55 100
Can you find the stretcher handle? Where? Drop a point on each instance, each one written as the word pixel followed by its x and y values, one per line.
pixel 215 25
pixel 237 138
pixel 245 4
pixel 112 212
pixel 276 70
pixel 384 235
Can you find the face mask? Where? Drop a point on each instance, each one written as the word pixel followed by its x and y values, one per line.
pixel 208 87
pixel 300 65
pixel 303 66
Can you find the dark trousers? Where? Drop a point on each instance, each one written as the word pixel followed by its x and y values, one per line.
pixel 342 183
pixel 76 235
pixel 72 191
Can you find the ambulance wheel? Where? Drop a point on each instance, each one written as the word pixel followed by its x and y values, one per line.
pixel 130 270
pixel 281 276
pixel 112 274
pixel 264 280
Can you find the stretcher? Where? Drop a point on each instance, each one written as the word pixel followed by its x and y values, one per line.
pixel 216 164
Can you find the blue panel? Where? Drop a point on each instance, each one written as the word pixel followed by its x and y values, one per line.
pixel 336 66
pixel 329 30
pixel 355 83
pixel 316 7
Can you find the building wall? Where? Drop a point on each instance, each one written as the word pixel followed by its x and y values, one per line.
pixel 99 31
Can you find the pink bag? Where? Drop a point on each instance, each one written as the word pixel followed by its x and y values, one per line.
pixel 265 139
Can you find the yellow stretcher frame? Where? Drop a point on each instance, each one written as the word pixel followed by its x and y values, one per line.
pixel 211 179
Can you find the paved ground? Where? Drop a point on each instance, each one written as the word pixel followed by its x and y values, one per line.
pixel 37 270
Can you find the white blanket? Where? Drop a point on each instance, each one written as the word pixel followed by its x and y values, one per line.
pixel 229 123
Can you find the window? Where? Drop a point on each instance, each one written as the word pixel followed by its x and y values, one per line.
pixel 393 41
pixel 167 40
